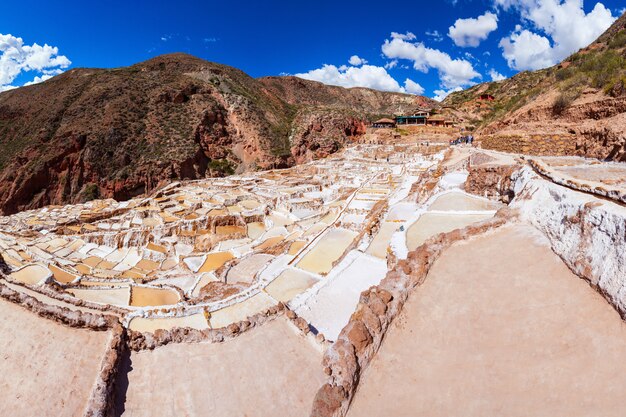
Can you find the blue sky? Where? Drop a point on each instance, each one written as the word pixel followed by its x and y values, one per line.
pixel 390 43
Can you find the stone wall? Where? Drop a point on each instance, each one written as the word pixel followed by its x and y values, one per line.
pixel 532 144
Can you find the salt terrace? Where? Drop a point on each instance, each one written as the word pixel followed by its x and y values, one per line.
pixel 274 291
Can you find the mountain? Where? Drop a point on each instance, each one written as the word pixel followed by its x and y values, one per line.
pixel 577 107
pixel 121 132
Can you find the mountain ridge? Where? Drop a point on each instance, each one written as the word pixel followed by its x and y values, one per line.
pixel 124 131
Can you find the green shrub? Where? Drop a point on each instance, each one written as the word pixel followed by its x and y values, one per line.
pixel 222 165
pixel 91 191
pixel 563 74
pixel 618 40
pixel 562 103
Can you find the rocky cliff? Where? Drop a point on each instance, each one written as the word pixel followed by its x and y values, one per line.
pixel 122 132
pixel 577 107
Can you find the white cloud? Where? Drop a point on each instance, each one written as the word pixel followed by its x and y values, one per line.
pixel 412 87
pixel 442 94
pixel 391 64
pixel 409 36
pixel 369 76
pixel 452 72
pixel 527 51
pixel 15 58
pixel 355 60
pixel 435 35
pixel 470 32
pixel 563 28
pixel 496 76
pixel 38 79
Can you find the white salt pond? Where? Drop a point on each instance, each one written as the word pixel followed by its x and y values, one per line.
pixel 240 311
pixel 329 304
pixel 430 224
pixel 290 283
pixel 459 201
pixel 143 324
pixel 380 243
pixel 113 296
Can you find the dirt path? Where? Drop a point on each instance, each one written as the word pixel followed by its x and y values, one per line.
pixel 500 327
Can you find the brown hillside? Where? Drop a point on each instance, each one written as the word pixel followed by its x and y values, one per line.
pixel 122 132
pixel 577 107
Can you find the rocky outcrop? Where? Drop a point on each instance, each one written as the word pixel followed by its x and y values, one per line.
pixel 587 233
pixel 491 181
pixel 319 134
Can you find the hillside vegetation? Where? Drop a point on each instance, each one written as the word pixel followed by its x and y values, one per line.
pixel 583 97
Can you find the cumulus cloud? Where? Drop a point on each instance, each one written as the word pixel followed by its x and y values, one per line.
pixel 15 58
pixel 412 87
pixel 452 72
pixel 442 94
pixel 355 60
pixel 471 32
pixel 496 76
pixel 525 50
pixel 369 76
pixel 558 28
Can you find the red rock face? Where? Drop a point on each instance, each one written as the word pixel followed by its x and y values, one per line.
pixel 320 135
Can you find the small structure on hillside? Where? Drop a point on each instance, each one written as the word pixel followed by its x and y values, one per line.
pixel 418 117
pixel 486 97
pixel 423 117
pixel 384 123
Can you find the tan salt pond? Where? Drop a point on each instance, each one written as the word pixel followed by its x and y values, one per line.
pixel 296 246
pixel 462 202
pixel 31 274
pixel 148 296
pixel 215 260
pixel 143 324
pixel 113 296
pixel 430 224
pixel 380 243
pixel 62 275
pixel 255 230
pixel 268 243
pixel 288 284
pixel 147 265
pixel 240 311
pixel 329 249
pixel 230 230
